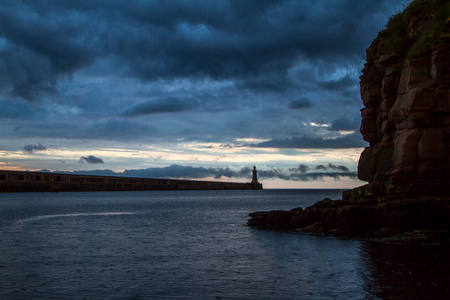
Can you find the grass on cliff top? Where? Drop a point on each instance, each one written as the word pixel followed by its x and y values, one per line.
pixel 434 37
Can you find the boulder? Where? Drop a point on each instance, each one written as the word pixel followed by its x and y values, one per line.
pixel 386 129
pixel 374 160
pixel 398 112
pixel 420 99
pixel 371 91
pixel 389 87
pixel 415 72
pixel 442 101
pixel 440 66
pixel 432 170
pixel 389 59
pixel 406 147
pixel 357 220
pixel 432 147
pixel 387 104
pixel 368 127
pixel 420 120
pixel 415 100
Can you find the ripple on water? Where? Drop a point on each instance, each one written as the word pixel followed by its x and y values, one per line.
pixel 186 245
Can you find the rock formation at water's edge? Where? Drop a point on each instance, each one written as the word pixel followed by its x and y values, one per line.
pixel 405 90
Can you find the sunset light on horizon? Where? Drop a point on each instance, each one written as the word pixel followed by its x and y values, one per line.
pixel 187 89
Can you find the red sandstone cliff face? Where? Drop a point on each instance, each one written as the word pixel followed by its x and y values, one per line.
pixel 406 118
pixel 405 88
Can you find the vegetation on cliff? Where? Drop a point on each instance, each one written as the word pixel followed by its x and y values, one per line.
pixel 405 90
pixel 434 14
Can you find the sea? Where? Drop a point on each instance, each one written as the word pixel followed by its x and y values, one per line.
pixel 196 245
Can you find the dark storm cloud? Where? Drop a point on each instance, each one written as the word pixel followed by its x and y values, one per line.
pixel 104 172
pixel 34 148
pixel 349 141
pixel 190 172
pixel 300 104
pixel 42 41
pixel 302 168
pixel 91 159
pixel 321 167
pixel 174 171
pixel 37 48
pixel 179 171
pixel 345 124
pixel 159 106
pixel 267 83
pixel 343 83
pixel 313 176
pixel 332 167
pixel 118 130
pixel 17 110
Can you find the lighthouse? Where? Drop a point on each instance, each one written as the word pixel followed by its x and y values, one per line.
pixel 255 176
pixel 255 185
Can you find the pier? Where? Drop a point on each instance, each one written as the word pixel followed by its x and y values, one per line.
pixel 24 181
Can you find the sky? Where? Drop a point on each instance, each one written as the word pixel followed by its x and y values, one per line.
pixel 199 90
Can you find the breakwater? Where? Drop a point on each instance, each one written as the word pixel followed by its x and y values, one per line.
pixel 23 181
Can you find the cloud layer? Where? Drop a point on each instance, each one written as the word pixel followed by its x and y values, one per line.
pixel 185 61
pixel 348 141
pixel 190 172
pixel 178 39
pixel 30 148
pixel 164 74
pixel 91 159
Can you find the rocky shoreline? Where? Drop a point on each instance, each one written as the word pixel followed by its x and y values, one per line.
pixel 422 219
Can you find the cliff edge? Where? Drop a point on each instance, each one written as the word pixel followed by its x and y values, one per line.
pixel 405 89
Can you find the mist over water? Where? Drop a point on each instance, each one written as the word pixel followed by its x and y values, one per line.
pixel 180 244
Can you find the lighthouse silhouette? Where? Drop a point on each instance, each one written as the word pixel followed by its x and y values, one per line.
pixel 255 176
pixel 255 184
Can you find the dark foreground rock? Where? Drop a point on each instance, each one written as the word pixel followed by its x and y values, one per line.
pixel 426 218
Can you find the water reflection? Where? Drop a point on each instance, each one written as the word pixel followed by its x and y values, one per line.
pixel 399 271
pixel 314 267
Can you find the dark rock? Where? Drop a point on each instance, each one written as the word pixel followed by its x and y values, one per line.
pixel 406 120
pixel 372 217
pixel 414 114
pixel 314 228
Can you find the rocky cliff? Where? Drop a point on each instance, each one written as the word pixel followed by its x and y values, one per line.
pixel 405 90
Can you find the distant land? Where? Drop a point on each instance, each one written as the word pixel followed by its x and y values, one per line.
pixel 25 181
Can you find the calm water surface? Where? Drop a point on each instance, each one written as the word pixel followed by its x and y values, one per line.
pixel 193 245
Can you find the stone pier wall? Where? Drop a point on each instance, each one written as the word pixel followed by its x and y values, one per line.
pixel 16 181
